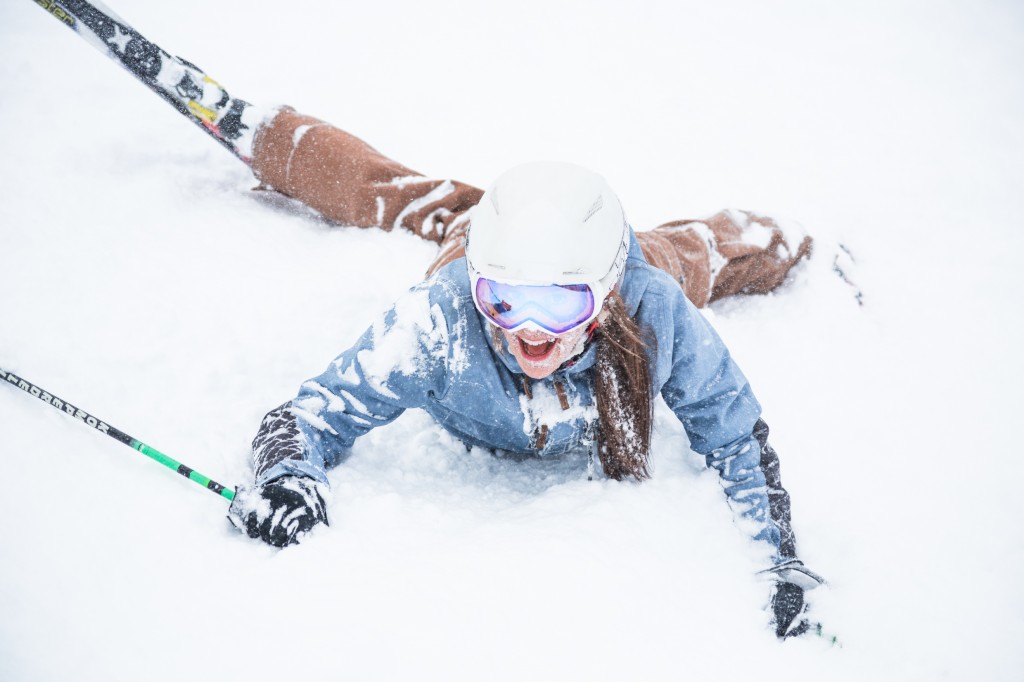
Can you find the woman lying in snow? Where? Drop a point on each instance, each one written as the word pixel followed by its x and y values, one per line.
pixel 545 325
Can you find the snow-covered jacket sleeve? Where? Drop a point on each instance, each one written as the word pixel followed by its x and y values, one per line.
pixel 398 363
pixel 713 400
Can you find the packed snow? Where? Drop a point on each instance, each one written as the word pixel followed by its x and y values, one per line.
pixel 143 280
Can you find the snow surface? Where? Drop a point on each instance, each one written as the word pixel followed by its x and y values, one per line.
pixel 143 280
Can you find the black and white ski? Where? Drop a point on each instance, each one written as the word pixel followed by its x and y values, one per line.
pixel 179 82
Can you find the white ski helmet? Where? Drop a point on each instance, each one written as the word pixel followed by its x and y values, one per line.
pixel 548 222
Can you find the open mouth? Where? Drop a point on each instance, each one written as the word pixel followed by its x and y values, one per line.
pixel 536 350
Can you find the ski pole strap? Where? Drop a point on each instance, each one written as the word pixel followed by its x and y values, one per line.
pixel 116 434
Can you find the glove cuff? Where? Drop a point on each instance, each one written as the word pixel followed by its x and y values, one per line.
pixel 793 571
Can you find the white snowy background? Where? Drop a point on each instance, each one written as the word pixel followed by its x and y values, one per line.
pixel 142 279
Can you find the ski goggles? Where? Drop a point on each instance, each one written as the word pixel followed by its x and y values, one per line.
pixel 554 308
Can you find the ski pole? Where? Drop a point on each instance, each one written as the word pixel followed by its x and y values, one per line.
pixel 827 636
pixel 116 434
pixel 204 103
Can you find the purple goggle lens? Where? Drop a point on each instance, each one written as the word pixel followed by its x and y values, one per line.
pixel 556 308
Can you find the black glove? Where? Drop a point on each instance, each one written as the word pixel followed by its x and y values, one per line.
pixel 788 607
pixel 279 512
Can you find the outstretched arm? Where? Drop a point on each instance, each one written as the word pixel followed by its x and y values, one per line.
pixel 714 402
pixel 398 363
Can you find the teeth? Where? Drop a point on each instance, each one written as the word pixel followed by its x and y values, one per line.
pixel 535 343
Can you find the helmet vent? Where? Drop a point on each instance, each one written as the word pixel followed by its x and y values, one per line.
pixel 594 208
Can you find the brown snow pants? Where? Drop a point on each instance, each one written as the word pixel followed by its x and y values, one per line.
pixel 351 183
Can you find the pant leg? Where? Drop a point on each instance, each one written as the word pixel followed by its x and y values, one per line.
pixel 731 252
pixel 350 182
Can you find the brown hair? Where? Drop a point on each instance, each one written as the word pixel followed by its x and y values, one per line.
pixel 622 387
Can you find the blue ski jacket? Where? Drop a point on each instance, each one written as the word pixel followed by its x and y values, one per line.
pixel 433 350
